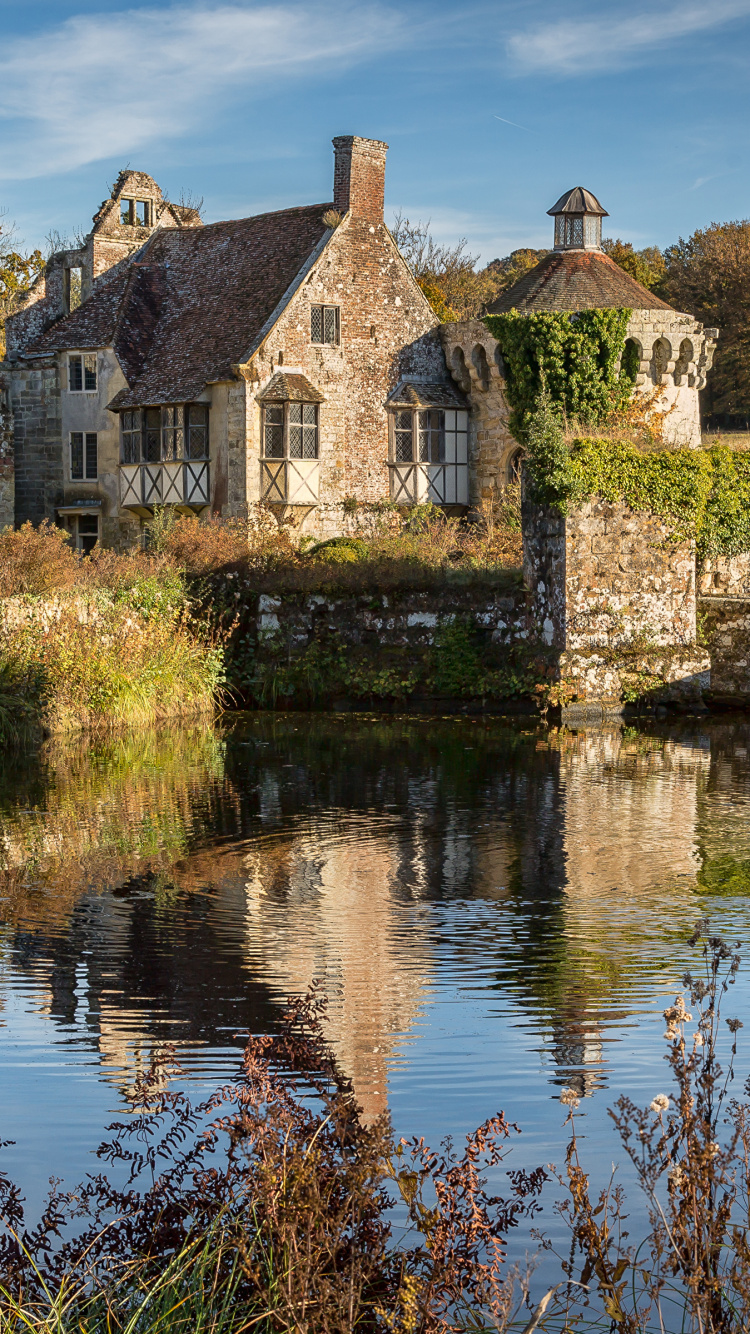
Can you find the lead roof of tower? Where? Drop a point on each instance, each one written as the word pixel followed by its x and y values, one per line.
pixel 578 200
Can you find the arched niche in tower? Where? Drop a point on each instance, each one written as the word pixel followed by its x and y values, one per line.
pixel 661 355
pixel 682 364
pixel 460 370
pixel 630 362
pixel 481 365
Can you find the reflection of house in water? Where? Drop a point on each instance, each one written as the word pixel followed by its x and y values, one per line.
pixel 323 903
pixel 629 810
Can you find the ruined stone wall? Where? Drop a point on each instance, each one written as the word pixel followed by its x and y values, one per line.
pixel 410 618
pixel 37 433
pixel 388 331
pixel 725 576
pixel 725 629
pixel 7 469
pixel 621 576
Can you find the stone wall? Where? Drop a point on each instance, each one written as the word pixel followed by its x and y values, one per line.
pixel 725 629
pixel 613 592
pixel 7 470
pixel 410 618
pixel 37 433
pixel 476 365
pixel 388 331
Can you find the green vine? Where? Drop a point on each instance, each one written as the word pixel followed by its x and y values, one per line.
pixel 706 492
pixel 575 355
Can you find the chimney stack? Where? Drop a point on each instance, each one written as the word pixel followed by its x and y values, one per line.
pixel 359 177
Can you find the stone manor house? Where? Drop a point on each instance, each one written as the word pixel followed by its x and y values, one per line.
pixel 289 358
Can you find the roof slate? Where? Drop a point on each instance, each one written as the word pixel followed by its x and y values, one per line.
pixel 192 303
pixel 290 388
pixel 412 395
pixel 576 280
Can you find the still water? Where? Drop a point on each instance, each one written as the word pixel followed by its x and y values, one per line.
pixel 496 911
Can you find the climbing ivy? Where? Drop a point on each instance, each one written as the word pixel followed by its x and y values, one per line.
pixel 575 355
pixel 706 492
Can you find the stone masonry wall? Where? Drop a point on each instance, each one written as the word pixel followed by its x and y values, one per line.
pixel 412 617
pixel 37 428
pixel 7 470
pixel 476 365
pixel 388 331
pixel 725 629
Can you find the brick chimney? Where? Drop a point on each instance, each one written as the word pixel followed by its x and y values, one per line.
pixel 359 176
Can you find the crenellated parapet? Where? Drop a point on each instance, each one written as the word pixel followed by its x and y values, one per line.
pixel 674 355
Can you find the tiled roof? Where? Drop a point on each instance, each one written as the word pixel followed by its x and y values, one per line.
pixel 576 280
pixel 290 388
pixel 409 395
pixel 192 304
pixel 93 324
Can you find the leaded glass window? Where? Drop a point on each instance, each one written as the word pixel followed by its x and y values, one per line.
pixel 197 431
pixel 172 432
pixel 303 431
pixel 82 372
pixel 574 231
pixel 131 436
pixel 403 437
pixel 151 435
pixel 273 431
pixel 84 456
pixel 324 324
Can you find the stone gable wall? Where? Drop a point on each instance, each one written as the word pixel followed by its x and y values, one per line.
pixel 388 331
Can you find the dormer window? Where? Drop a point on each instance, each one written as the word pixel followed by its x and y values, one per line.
pixel 136 212
pixel 578 220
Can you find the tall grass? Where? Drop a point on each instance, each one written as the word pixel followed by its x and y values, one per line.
pixel 81 665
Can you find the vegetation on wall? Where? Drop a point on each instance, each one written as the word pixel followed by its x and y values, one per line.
pixel 18 272
pixel 576 357
pixel 706 492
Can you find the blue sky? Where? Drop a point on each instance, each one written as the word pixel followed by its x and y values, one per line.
pixel 491 110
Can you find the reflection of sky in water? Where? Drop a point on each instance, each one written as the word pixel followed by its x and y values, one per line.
pixel 494 912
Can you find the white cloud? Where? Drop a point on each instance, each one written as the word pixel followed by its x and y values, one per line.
pixel 106 84
pixel 584 46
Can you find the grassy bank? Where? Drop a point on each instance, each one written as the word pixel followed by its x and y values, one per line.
pixel 273 1206
pixel 117 638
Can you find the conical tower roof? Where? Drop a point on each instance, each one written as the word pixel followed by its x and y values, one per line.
pixel 578 200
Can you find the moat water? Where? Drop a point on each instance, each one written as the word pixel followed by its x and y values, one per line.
pixel 496 911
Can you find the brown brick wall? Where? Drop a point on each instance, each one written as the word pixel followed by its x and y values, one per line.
pixel 359 177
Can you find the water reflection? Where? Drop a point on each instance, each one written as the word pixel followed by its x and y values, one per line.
pixel 175 888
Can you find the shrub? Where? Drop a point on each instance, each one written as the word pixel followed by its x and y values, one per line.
pixel 102 662
pixel 268 1206
pixel 36 560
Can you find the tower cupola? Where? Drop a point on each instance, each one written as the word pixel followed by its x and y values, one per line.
pixel 578 220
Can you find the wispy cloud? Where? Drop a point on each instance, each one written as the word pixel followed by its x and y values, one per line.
pixel 106 84
pixel 584 46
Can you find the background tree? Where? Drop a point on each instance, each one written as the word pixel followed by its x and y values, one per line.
pixel 647 266
pixel 448 275
pixel 507 271
pixel 18 272
pixel 708 276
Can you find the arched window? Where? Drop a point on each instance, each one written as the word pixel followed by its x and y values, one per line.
pixel 515 463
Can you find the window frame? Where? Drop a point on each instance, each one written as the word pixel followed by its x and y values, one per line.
pixel 323 341
pixel 132 220
pixel 88 440
pixel 82 358
pixel 444 428
pixel 170 424
pixel 287 425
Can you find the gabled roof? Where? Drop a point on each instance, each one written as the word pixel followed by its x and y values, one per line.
pixel 285 387
pixel 192 303
pixel 410 395
pixel 576 280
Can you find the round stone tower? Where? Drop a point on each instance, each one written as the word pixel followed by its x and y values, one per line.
pixel 674 352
